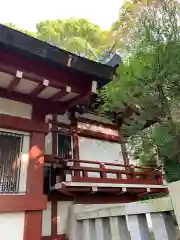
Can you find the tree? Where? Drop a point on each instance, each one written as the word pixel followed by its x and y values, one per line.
pixel 149 80
pixel 75 35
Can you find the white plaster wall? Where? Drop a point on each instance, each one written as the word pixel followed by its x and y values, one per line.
pixel 98 150
pixel 46 221
pixel 16 109
pixel 102 151
pixel 63 209
pixel 12 226
pixel 24 163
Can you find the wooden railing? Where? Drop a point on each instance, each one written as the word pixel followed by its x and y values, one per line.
pixel 95 171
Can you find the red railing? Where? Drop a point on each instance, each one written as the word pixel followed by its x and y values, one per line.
pixel 95 171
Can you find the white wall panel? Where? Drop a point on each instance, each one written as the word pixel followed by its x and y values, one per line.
pixel 12 226
pixel 46 221
pixel 63 209
pixel 102 151
pixel 24 157
pixel 98 150
pixel 16 109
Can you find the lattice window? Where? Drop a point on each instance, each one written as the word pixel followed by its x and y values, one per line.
pixel 65 146
pixel 10 164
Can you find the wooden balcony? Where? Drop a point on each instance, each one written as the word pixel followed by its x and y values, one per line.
pixel 93 176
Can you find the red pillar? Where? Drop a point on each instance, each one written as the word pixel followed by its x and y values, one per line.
pixel 33 219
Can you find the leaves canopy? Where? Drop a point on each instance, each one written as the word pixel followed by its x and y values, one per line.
pixel 149 80
pixel 76 35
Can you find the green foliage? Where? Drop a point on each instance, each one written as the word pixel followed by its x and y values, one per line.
pixel 143 148
pixel 149 80
pixel 76 35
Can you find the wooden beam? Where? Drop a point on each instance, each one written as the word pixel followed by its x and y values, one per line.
pixel 20 203
pixel 37 90
pixel 13 84
pixel 16 80
pixel 58 95
pixel 42 104
pixel 22 124
pixel 38 71
pixel 82 99
pixel 64 91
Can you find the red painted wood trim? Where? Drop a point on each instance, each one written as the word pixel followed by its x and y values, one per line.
pixel 75 140
pixel 37 90
pixel 16 203
pixel 112 180
pixel 54 217
pixel 104 199
pixel 56 107
pixel 54 159
pixel 22 124
pixel 13 84
pixel 36 164
pixel 38 71
pixel 33 225
pixel 34 187
pixel 54 134
pixel 90 134
pixel 57 237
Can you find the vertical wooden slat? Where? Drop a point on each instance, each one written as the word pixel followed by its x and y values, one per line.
pixel 138 227
pixel 102 228
pixel 163 226
pixel 75 140
pixel 78 231
pixel 106 228
pixel 99 229
pixel 103 174
pixel 124 153
pixel 86 230
pixel 54 217
pixel 119 228
pixel 54 135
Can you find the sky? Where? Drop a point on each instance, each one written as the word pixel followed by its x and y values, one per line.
pixel 25 14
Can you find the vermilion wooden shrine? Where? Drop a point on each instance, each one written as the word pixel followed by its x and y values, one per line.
pixel 53 152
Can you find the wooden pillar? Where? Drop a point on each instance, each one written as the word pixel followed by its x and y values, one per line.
pixel 33 219
pixel 75 140
pixel 54 216
pixel 124 153
pixel 54 136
